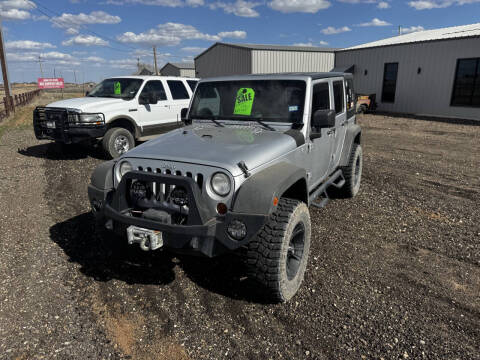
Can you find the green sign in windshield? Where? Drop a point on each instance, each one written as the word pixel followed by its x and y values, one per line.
pixel 244 101
pixel 117 88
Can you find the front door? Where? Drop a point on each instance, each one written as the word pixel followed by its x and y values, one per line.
pixel 340 121
pixel 322 143
pixel 154 115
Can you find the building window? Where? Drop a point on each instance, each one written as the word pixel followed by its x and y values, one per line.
pixel 389 82
pixel 466 88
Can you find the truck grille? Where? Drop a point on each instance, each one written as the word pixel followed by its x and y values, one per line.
pixel 198 178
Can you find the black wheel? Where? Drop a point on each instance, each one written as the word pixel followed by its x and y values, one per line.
pixel 353 172
pixel 277 257
pixel 117 141
pixel 362 109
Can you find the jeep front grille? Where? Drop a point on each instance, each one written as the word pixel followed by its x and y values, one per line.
pixel 198 178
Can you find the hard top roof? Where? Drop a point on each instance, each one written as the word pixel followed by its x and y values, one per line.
pixel 280 76
pixel 150 77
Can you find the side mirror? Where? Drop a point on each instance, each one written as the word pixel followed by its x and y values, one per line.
pixel 323 119
pixel 183 116
pixel 87 92
pixel 147 99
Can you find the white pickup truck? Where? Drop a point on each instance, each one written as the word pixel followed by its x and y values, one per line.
pixel 118 110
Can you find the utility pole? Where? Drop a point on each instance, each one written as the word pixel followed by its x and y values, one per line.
pixel 9 105
pixel 40 61
pixel 399 29
pixel 54 72
pixel 75 76
pixel 155 59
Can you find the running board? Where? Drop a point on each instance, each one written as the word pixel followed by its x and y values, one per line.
pixel 336 179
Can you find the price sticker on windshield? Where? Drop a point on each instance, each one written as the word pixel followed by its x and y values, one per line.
pixel 244 101
pixel 117 88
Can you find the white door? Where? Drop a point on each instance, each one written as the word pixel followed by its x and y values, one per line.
pixel 155 114
pixel 180 95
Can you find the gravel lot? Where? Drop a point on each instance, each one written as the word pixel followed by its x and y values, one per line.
pixel 393 273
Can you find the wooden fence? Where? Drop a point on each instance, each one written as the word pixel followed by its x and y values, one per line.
pixel 15 101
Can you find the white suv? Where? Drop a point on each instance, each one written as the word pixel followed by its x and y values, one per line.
pixel 119 110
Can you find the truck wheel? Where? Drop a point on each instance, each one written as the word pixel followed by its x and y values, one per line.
pixel 353 172
pixel 277 256
pixel 117 141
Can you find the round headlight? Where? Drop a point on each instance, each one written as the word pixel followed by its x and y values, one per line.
pixel 124 168
pixel 221 184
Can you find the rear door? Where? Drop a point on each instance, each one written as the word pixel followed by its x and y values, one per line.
pixel 151 115
pixel 339 104
pixel 180 93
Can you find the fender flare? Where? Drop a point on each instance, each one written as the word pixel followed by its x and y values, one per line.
pixel 257 193
pixel 102 176
pixel 351 134
pixel 126 118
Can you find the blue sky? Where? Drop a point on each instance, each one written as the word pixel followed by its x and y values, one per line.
pixel 93 39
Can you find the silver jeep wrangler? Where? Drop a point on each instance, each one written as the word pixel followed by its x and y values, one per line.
pixel 255 153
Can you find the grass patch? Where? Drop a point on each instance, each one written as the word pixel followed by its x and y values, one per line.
pixel 22 119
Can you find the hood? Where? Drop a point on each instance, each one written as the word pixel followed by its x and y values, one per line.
pixel 86 104
pixel 222 147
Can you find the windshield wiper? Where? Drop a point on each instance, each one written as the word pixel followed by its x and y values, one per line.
pixel 266 126
pixel 211 118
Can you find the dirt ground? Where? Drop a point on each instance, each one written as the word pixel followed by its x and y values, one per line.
pixel 393 273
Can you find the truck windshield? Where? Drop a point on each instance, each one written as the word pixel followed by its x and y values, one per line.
pixel 264 100
pixel 121 88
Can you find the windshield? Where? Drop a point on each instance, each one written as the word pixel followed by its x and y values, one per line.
pixel 121 88
pixel 267 100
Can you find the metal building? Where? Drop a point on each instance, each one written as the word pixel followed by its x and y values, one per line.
pixel 222 59
pixel 431 72
pixel 184 69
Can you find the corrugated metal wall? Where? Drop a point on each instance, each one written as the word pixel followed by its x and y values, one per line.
pixel 187 72
pixel 266 61
pixel 427 93
pixel 223 60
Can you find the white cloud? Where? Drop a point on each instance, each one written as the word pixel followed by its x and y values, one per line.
pixel 412 29
pixel 55 55
pixel 438 4
pixel 167 3
pixel 331 30
pixel 74 21
pixel 123 64
pixel 14 14
pixel 303 44
pixel 239 8
pixel 194 49
pixel 72 31
pixel 173 34
pixel 95 59
pixel 383 5
pixel 310 43
pixel 233 34
pixel 28 45
pixel 306 6
pixel 375 22
pixel 85 40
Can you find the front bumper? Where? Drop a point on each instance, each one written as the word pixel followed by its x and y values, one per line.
pixel 63 131
pixel 205 234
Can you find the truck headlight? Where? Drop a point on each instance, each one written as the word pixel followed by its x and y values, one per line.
pixel 122 169
pixel 220 183
pixel 94 119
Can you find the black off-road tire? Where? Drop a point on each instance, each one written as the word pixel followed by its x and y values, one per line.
pixel 117 141
pixel 352 173
pixel 270 259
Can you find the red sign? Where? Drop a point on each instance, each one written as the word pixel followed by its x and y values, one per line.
pixel 50 83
